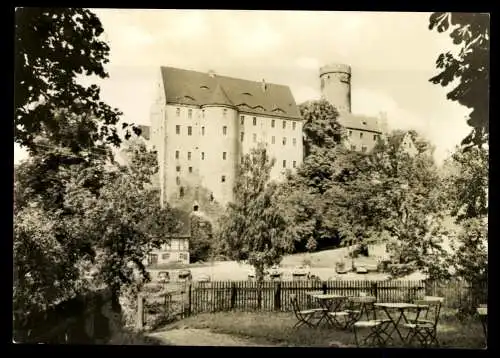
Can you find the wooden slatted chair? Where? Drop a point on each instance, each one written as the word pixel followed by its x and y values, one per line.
pixel 378 327
pixel 424 329
pixel 304 317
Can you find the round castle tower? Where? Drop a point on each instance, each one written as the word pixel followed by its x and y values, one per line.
pixel 336 85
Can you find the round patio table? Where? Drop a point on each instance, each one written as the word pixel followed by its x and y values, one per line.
pixel 395 318
pixel 331 304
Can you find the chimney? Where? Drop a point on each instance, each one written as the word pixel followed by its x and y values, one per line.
pixel 264 85
pixel 211 73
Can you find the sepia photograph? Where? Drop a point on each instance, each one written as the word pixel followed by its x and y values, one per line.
pixel 251 178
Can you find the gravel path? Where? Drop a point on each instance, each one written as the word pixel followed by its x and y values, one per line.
pixel 200 337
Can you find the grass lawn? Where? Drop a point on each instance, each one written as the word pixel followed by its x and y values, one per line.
pixel 275 328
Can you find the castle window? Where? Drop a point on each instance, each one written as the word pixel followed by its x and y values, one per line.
pixel 177 129
pixel 254 121
pixel 190 169
pixel 223 179
pixel 284 124
pixel 178 181
pixel 254 137
pixel 178 168
pixel 294 125
pixel 224 155
pixel 294 141
pixel 242 120
pixel 361 135
pixel 294 163
pixel 364 149
pixel 224 130
pixel 177 112
pixel 202 155
pixel 176 154
pixel 190 130
pixel 284 164
pixel 353 147
pixel 181 192
pixel 273 140
pixel 202 113
pixel 242 136
pixel 224 112
pixel 284 140
pixel 189 155
pixel 203 130
pixel 190 113
pixel 350 133
pixel 272 123
pixel 374 137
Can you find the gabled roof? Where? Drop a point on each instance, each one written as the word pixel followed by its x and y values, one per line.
pixel 359 122
pixel 145 131
pixel 200 89
pixel 397 138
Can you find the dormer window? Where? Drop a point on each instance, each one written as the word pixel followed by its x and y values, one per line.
pixel 364 123
pixel 189 98
pixel 204 87
pixel 247 94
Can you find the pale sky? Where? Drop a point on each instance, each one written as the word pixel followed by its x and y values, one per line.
pixel 392 56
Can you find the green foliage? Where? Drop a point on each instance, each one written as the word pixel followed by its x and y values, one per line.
pixel 467 183
pixel 321 128
pixel 397 194
pixel 253 228
pixel 471 66
pixel 470 258
pixel 98 234
pixel 54 46
pixel 201 240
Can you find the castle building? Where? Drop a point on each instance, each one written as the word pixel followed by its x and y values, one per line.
pixel 363 131
pixel 203 123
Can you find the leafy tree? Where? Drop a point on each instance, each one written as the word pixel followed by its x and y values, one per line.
pixel 253 227
pixel 321 128
pixel 201 239
pixel 470 66
pixel 398 194
pixel 467 184
pixel 53 47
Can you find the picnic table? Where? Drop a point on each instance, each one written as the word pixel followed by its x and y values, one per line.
pixel 395 312
pixel 331 304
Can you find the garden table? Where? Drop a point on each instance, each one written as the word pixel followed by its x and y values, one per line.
pixel 395 318
pixel 331 304
pixel 363 305
pixel 483 315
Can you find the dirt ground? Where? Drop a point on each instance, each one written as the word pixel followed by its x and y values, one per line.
pixel 200 337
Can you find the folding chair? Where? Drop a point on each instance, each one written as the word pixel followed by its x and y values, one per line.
pixel 304 317
pixel 425 328
pixel 378 327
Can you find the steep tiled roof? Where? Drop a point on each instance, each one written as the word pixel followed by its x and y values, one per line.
pixel 360 122
pixel 199 88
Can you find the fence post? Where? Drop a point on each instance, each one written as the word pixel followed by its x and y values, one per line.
pixel 375 289
pixel 277 296
pixel 189 299
pixel 323 287
pixel 233 295
pixel 140 311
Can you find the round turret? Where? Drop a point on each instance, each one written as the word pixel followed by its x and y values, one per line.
pixel 336 85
